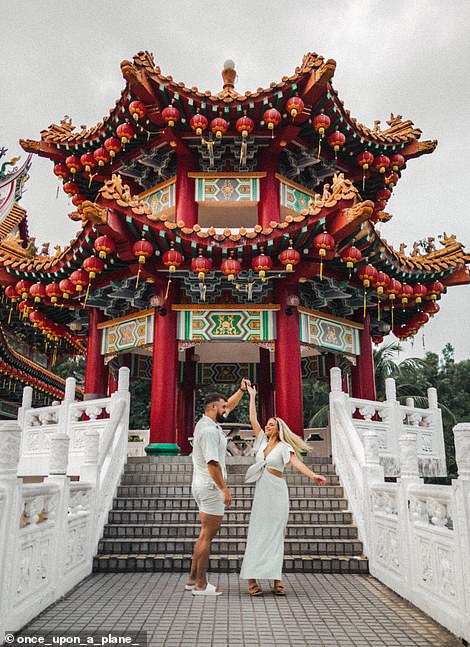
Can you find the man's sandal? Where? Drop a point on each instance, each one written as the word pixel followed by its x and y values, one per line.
pixel 254 590
pixel 278 589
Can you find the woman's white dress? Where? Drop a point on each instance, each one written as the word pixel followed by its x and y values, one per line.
pixel 264 552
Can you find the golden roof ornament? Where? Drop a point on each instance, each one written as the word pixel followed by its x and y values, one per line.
pixel 229 74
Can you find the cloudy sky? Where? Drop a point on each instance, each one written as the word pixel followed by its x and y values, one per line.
pixel 407 57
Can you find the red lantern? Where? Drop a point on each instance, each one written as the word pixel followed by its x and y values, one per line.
pixel 11 293
pixel 365 161
pixel 198 123
pixel 113 146
pixel 421 318
pixel 397 162
pixel 37 291
pixel 323 243
pixel 137 110
pixel 419 292
pixel 406 294
pixel 289 257
pixel 88 162
pixel 392 179
pixel 142 250
pixel 172 259
pixel 70 188
pixel 22 288
pixel 393 289
pixel 321 123
pixel 380 283
pixel 367 274
pixel 79 279
pixel 102 156
pixel 336 140
pixel 78 199
pixel 219 127
pixel 25 308
pixel 381 163
pixel 125 132
pixel 435 289
pixel 36 317
pixel 379 206
pixel 74 164
pixel 431 308
pixel 272 118
pixel 245 126
pixel 61 170
pixel 295 106
pixel 93 266
pixel 383 195
pixel 262 264
pixel 351 256
pixel 201 266
pixel 170 115
pixel 53 291
pixel 104 245
pixel 230 267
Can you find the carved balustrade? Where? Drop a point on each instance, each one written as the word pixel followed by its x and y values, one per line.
pixel 416 536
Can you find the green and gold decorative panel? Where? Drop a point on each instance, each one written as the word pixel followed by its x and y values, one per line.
pixel 141 366
pixel 334 335
pixel 226 373
pixel 227 189
pixel 123 334
pixel 226 325
pixel 293 198
pixel 161 198
pixel 314 367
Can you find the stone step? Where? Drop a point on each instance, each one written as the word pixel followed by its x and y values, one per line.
pixel 292 547
pixel 176 532
pixel 151 517
pixel 184 478
pixel 232 468
pixel 230 460
pixel 176 491
pixel 132 563
pixel 240 503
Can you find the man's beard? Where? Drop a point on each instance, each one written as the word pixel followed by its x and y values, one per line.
pixel 221 417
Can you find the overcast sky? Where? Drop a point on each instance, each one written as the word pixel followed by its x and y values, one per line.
pixel 407 57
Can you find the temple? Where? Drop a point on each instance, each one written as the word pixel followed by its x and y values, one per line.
pixel 222 235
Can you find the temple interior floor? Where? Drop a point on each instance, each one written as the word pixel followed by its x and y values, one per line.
pixel 318 610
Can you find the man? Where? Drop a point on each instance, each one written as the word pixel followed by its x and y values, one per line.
pixel 209 487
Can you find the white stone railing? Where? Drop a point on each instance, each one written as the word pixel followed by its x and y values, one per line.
pixel 389 419
pixel 416 536
pixel 49 530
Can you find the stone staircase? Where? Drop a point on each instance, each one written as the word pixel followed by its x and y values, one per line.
pixel 154 521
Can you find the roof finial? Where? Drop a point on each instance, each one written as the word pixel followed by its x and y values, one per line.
pixel 229 74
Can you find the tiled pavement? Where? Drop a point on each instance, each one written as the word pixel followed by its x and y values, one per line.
pixel 318 611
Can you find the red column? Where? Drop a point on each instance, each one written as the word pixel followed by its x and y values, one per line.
pixel 265 391
pixel 112 383
pixel 288 369
pixel 96 373
pixel 186 205
pixel 188 396
pixel 362 375
pixel 164 373
pixel 269 206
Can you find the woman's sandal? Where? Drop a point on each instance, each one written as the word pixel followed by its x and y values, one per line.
pixel 278 589
pixel 254 590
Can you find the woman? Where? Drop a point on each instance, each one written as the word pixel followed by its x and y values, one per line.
pixel 275 448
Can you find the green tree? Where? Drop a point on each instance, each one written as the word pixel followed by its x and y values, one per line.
pixel 71 367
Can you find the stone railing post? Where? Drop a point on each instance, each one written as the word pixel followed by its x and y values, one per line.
pixel 462 449
pixel 336 393
pixel 390 390
pixel 89 467
pixel 59 456
pixel 393 418
pixel 461 491
pixel 10 510
pixel 408 456
pixel 438 444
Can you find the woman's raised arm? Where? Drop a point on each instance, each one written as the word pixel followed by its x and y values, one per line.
pixel 253 415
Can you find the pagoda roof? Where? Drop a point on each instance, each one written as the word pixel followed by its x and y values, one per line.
pixel 145 81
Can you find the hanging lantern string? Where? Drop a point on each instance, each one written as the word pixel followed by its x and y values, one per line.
pixel 167 288
pixel 138 276
pixel 393 325
pixel 378 308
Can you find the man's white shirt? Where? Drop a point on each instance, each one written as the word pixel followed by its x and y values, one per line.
pixel 209 444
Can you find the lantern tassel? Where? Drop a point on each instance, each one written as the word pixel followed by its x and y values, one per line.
pixel 321 269
pixel 167 288
pixel 392 316
pixel 365 301
pixel 137 280
pixel 378 308
pixel 54 356
pixel 92 175
pixel 319 146
pixel 243 153
pixel 363 179
pixel 87 292
pixel 9 316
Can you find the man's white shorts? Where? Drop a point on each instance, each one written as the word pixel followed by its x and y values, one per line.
pixel 208 497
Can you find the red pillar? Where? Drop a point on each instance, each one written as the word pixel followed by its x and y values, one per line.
pixel 96 373
pixel 269 206
pixel 362 375
pixel 265 390
pixel 288 368
pixel 112 383
pixel 164 373
pixel 187 402
pixel 186 205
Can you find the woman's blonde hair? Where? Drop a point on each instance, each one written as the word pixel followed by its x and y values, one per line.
pixel 288 436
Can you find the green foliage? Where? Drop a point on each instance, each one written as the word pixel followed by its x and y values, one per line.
pixel 140 404
pixel 71 367
pixel 239 414
pixel 315 396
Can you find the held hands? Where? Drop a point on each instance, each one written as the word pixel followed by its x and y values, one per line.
pixel 245 384
pixel 251 390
